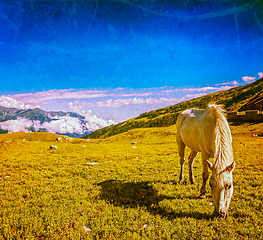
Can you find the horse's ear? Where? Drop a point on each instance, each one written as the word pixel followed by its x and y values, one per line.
pixel 210 165
pixel 231 167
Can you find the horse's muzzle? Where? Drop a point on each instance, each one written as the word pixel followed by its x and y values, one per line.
pixel 221 214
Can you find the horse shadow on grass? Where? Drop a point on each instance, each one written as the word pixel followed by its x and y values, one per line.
pixel 143 194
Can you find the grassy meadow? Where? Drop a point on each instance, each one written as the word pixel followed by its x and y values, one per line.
pixel 122 187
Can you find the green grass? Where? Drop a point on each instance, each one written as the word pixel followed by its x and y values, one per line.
pixel 131 193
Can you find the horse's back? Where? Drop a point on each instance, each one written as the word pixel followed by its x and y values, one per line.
pixel 188 128
pixel 195 127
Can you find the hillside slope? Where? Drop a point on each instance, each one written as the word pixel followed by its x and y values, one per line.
pixel 233 99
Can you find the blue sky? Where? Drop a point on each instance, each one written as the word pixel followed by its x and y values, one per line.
pixel 117 59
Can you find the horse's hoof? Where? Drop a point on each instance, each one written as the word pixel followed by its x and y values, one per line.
pixel 192 182
pixel 202 197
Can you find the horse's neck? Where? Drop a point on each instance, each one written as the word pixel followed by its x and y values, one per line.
pixel 223 144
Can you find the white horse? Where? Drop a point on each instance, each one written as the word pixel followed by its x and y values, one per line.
pixel 207 131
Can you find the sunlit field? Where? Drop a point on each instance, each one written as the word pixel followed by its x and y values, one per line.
pixel 123 187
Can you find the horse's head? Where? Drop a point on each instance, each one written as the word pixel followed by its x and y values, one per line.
pixel 221 189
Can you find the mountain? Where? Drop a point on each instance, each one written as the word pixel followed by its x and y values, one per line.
pixel 34 114
pixel 67 123
pixel 233 99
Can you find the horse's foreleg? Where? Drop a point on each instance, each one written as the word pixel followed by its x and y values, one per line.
pixel 181 177
pixel 181 148
pixel 191 163
pixel 205 173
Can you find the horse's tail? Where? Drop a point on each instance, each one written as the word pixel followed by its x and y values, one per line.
pixel 223 153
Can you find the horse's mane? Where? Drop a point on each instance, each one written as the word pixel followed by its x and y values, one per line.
pixel 223 155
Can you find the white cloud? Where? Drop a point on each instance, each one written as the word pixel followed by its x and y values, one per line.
pixel 190 96
pixel 9 102
pixel 234 82
pixel 260 74
pixel 121 102
pixel 65 124
pixel 202 89
pixel 92 121
pixel 17 125
pixel 132 94
pixel 77 108
pixel 46 97
pixel 58 94
pixel 248 79
pixel 132 101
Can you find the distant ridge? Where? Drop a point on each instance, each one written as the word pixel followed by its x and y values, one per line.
pixel 233 99
pixel 33 114
pixel 42 116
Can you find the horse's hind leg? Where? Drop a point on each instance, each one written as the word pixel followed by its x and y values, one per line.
pixel 181 148
pixel 191 163
pixel 205 175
